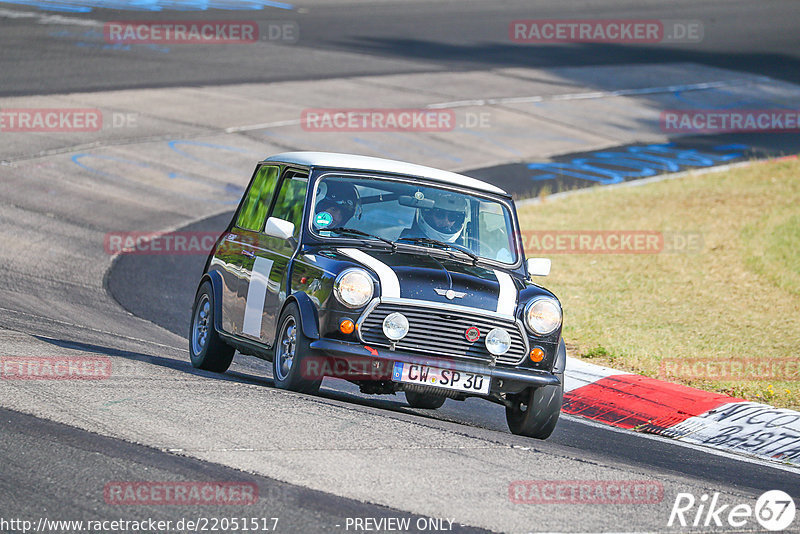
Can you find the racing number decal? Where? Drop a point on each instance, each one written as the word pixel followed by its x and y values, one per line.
pixel 256 296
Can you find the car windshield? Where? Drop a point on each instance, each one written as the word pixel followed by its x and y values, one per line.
pixel 471 226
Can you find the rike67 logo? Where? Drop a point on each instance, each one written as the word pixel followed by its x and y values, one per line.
pixel 774 511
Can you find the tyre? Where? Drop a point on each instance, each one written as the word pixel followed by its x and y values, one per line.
pixel 291 346
pixel 424 400
pixel 206 349
pixel 535 411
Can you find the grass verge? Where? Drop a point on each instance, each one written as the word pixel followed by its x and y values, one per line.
pixel 715 306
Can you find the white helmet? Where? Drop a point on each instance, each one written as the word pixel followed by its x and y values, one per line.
pixel 446 219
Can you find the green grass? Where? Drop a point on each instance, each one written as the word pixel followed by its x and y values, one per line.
pixel 736 297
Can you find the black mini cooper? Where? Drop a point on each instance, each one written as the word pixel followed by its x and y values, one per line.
pixel 393 276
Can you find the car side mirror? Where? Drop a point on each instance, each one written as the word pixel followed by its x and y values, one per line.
pixel 279 228
pixel 539 266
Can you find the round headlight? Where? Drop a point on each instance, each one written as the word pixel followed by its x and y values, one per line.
pixel 395 326
pixel 498 341
pixel 353 288
pixel 543 315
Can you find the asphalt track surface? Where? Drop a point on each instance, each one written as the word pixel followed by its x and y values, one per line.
pixel 80 462
pixel 62 469
pixel 339 39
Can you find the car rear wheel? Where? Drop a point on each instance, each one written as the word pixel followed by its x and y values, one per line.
pixel 535 411
pixel 291 346
pixel 424 400
pixel 206 349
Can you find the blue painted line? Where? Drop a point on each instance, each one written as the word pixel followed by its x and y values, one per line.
pixel 77 157
pixel 611 167
pixel 734 146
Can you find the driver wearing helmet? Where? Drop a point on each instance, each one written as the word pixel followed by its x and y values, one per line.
pixel 337 207
pixel 445 221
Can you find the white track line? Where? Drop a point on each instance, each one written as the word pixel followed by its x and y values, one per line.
pixel 44 18
pixel 600 94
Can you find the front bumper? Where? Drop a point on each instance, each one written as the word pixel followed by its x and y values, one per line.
pixel 504 379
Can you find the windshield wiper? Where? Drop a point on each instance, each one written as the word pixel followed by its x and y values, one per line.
pixel 445 246
pixel 353 231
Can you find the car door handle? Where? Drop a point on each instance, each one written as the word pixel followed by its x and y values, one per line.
pixel 248 254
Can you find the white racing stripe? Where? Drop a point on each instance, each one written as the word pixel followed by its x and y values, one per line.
pixel 390 285
pixel 256 296
pixel 507 299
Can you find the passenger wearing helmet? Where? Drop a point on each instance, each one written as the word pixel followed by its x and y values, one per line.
pixel 338 205
pixel 445 221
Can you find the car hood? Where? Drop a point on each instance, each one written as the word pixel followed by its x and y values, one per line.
pixel 423 277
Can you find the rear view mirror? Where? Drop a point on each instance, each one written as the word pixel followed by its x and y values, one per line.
pixel 279 228
pixel 412 202
pixel 539 266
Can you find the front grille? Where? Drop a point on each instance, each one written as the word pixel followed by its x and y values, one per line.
pixel 441 332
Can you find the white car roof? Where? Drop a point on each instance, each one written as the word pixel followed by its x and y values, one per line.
pixel 368 163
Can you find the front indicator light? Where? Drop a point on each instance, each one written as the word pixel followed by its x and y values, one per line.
pixel 347 326
pixel 498 341
pixel 537 355
pixel 395 326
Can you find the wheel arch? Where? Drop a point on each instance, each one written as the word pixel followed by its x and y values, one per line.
pixel 309 316
pixel 215 279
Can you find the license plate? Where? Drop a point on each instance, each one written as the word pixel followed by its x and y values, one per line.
pixel 413 373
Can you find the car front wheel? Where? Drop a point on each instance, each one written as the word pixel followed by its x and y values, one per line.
pixel 535 411
pixel 206 349
pixel 291 347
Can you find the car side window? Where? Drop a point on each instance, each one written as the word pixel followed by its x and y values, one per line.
pixel 291 200
pixel 259 197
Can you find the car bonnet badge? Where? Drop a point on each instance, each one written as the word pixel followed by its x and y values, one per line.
pixel 449 294
pixel 472 334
